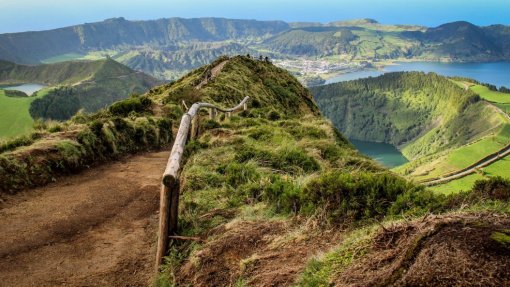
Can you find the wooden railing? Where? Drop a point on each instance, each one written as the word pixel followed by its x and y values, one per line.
pixel 169 197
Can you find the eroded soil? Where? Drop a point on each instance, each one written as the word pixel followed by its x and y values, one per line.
pixel 97 228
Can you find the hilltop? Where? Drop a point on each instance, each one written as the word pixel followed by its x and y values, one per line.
pixel 168 48
pixel 273 195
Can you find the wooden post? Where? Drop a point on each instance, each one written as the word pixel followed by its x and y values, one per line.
pixel 169 198
pixel 213 113
pixel 194 127
pixel 164 216
pixel 245 106
pixel 174 209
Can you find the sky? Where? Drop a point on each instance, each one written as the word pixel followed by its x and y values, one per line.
pixel 30 15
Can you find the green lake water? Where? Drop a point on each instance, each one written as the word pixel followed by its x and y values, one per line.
pixel 385 154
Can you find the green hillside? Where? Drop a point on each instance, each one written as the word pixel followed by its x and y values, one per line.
pixel 437 124
pixel 499 99
pixel 421 113
pixel 275 184
pixel 88 85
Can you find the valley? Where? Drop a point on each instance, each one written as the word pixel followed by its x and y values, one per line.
pixel 435 147
pixel 69 87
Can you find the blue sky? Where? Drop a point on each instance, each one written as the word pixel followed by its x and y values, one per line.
pixel 23 15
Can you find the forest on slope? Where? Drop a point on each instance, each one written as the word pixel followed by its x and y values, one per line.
pixel 421 113
pixel 75 85
pixel 442 125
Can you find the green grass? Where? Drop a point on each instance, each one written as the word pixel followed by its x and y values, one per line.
pixel 499 168
pixel 492 96
pixel 462 184
pixel 504 107
pixel 464 156
pixel 15 119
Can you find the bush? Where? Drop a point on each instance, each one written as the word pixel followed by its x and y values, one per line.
pixel 134 104
pixel 418 201
pixel 290 160
pixel 283 194
pixel 356 196
pixel 496 188
pixel 273 115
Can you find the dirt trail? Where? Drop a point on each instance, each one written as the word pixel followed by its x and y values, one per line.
pixel 214 73
pixel 96 228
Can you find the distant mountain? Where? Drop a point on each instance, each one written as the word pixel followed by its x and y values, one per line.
pixel 168 48
pixel 34 47
pixel 76 85
pixel 462 41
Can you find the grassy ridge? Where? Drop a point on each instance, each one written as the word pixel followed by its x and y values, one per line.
pixel 267 166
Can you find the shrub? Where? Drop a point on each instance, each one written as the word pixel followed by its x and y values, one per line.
pixel 354 196
pixel 283 194
pixel 418 201
pixel 134 104
pixel 496 188
pixel 273 115
pixel 237 174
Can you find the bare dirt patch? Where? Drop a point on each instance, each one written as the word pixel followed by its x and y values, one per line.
pixel 444 251
pixel 96 228
pixel 258 253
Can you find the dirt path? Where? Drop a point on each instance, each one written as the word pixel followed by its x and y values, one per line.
pixel 214 73
pixel 97 228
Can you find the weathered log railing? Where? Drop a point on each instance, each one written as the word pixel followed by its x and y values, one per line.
pixel 169 197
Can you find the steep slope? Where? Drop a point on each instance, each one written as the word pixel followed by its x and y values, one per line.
pixel 422 113
pixel 88 85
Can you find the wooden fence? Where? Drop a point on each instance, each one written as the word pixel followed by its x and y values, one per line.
pixel 169 197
